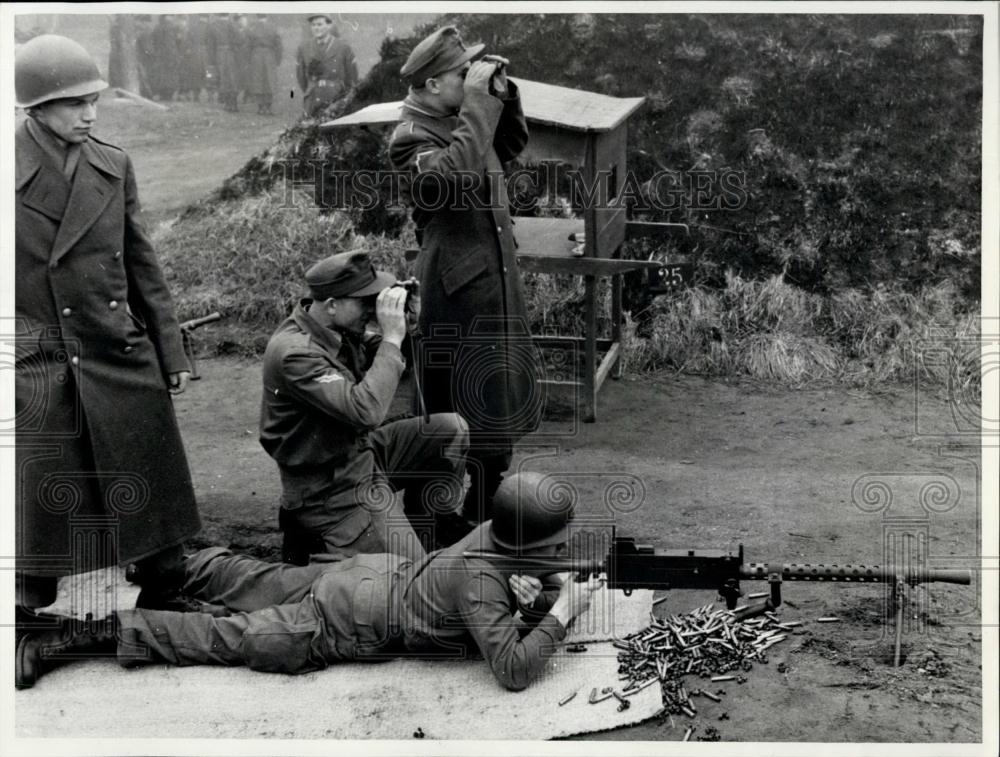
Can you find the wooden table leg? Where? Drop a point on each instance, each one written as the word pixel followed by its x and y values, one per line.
pixel 590 350
pixel 616 323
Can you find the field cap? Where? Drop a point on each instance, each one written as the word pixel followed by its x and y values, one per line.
pixel 441 51
pixel 329 18
pixel 347 274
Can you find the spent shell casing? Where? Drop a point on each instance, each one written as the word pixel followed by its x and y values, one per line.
pixel 567 698
pixel 687 734
pixel 827 620
pixel 757 595
pixel 688 711
pixel 711 696
pixel 716 679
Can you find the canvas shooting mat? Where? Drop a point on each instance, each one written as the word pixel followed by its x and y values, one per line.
pixel 445 699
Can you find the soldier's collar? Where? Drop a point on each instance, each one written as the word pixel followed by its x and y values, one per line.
pixel 415 105
pixel 328 338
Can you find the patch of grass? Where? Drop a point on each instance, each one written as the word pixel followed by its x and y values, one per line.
pixel 247 259
pixel 772 330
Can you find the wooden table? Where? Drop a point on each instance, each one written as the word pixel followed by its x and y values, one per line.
pixel 544 246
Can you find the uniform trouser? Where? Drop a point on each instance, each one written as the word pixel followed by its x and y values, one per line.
pixel 276 627
pixel 487 464
pixel 426 460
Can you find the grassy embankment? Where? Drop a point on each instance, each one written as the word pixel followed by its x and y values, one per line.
pixel 854 254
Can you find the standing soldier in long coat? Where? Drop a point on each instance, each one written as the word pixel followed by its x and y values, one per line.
pixel 264 42
pixel 144 52
pixel 460 122
pixel 102 475
pixel 324 67
pixel 194 51
pixel 165 76
pixel 241 26
pixel 223 46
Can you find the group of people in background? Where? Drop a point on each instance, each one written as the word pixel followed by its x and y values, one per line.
pixel 230 57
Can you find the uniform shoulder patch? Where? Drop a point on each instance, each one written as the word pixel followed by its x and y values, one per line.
pixel 329 378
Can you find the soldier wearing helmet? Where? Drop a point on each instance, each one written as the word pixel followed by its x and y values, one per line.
pixel 98 349
pixel 296 619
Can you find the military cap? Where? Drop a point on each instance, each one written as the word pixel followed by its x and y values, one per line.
pixel 327 16
pixel 441 51
pixel 347 274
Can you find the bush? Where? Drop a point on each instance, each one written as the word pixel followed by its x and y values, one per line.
pixel 247 259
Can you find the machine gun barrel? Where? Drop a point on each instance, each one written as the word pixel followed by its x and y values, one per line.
pixel 854 573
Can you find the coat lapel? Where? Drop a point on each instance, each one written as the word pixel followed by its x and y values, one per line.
pixel 94 184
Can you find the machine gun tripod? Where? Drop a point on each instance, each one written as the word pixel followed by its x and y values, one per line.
pixel 187 335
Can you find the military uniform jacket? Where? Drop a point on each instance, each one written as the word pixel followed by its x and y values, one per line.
pixel 95 336
pixel 452 604
pixel 318 405
pixel 265 55
pixel 477 357
pixel 326 71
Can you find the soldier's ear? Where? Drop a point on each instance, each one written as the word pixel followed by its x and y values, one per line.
pixel 330 305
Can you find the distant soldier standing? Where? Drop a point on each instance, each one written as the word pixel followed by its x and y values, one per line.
pixel 165 73
pixel 325 66
pixel 223 41
pixel 241 25
pixel 265 55
pixel 195 63
pixel 102 475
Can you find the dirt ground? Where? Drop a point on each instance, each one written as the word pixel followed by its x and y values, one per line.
pixel 723 464
pixel 793 475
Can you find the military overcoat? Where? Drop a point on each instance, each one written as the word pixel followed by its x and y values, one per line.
pixel 97 442
pixel 224 41
pixel 265 55
pixel 476 355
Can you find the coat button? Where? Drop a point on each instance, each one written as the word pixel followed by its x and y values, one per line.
pixel 118 254
pixel 67 312
pixel 499 230
pixel 128 349
pixel 75 360
pixel 113 305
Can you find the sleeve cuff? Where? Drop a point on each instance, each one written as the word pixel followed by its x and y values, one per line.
pixel 552 627
pixel 389 350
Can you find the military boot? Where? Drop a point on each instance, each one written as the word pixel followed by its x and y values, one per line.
pixel 39 652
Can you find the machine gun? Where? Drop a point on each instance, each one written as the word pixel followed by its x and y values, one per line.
pixel 187 335
pixel 631 566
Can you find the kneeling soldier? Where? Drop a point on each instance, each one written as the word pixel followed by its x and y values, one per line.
pixel 327 392
pixel 292 619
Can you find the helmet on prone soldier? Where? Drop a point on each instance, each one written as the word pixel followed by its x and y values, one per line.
pixel 531 510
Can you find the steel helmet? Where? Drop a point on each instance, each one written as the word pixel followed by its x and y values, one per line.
pixel 531 510
pixel 50 67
